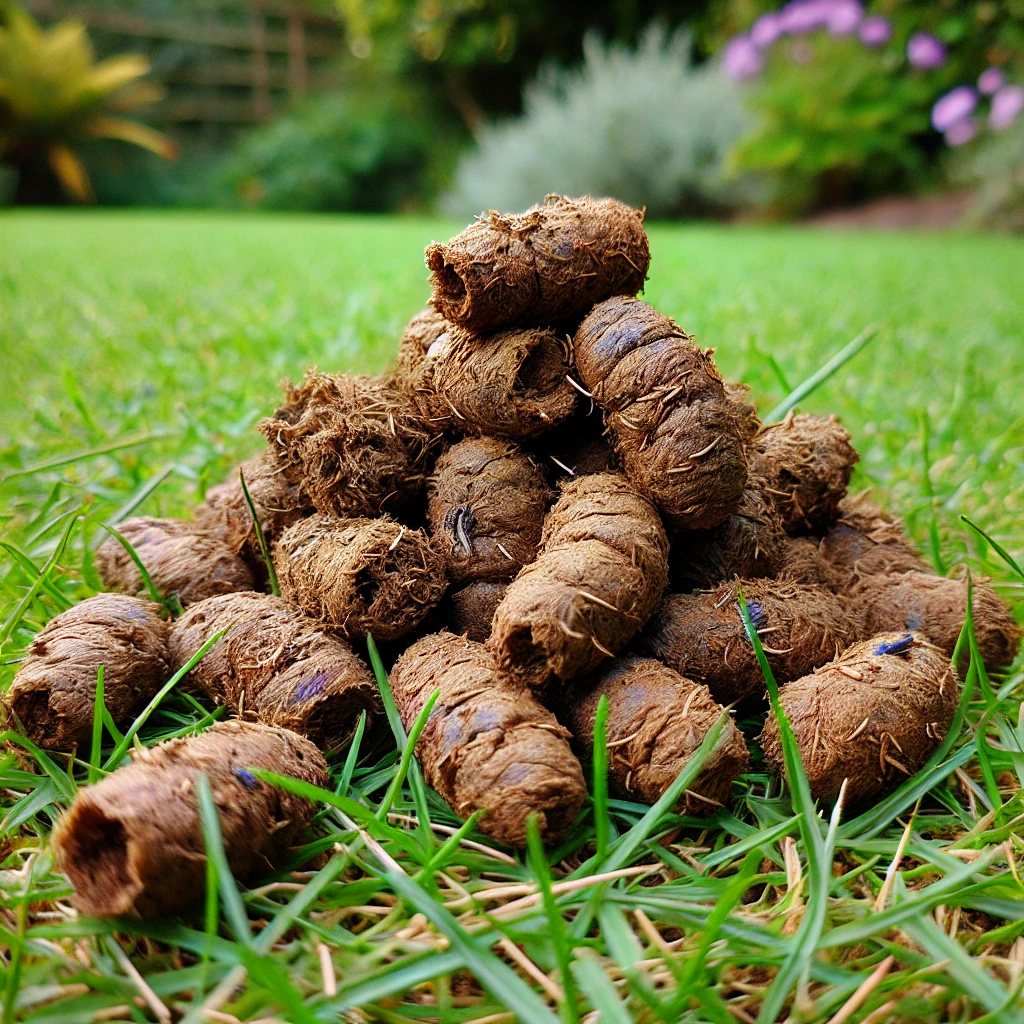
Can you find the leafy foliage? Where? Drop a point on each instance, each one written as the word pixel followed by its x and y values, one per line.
pixel 996 169
pixel 836 121
pixel 53 96
pixel 643 125
pixel 341 151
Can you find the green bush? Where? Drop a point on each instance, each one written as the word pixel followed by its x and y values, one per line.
pixel 995 168
pixel 836 122
pixel 640 124
pixel 340 151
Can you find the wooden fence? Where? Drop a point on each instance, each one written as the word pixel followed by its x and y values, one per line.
pixel 224 64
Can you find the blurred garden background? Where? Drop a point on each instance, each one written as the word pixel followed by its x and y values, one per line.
pixel 911 111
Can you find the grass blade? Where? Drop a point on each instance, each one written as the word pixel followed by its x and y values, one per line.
pixel 89 453
pixel 840 359
pixel 407 754
pixel 22 607
pixel 998 548
pixel 154 594
pixel 115 758
pixel 140 495
pixel 275 589
pixel 416 783
pixel 602 820
pixel 556 925
pixel 97 729
pixel 497 977
pixel 234 908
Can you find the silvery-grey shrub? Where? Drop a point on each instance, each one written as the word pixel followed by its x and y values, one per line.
pixel 644 125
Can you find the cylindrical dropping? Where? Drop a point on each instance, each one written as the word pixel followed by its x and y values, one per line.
pixel 804 463
pixel 865 541
pixel 361 575
pixel 601 571
pixel 486 503
pixel 275 666
pixel 473 607
pixel 936 607
pixel 549 264
pixel 701 635
pixel 133 843
pixel 679 438
pixel 488 744
pixel 656 721
pixel 53 694
pixel 360 445
pixel 872 717
pixel 182 560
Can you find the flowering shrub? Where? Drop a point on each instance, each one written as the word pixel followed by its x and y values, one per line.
pixel 844 96
pixel 841 104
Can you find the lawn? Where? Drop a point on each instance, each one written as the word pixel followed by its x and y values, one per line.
pixel 137 351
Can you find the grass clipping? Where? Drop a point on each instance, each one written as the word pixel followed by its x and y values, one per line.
pixel 489 744
pixel 656 720
pixel 680 439
pixel 275 666
pixel 53 694
pixel 601 570
pixel 133 843
pixel 547 265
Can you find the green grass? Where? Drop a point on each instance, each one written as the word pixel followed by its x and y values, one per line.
pixel 171 332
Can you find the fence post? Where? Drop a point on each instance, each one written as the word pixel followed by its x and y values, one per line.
pixel 260 64
pixel 298 72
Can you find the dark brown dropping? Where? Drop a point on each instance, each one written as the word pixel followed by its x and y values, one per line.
pixel 702 637
pixel 801 562
pixel 182 560
pixel 656 720
pixel 865 541
pixel 133 843
pixel 750 544
pixel 276 666
pixel 549 264
pixel 360 445
pixel 53 694
pixel 739 395
pixel 871 717
pixel 804 463
pixel 601 571
pixel 579 446
pixel 512 384
pixel 360 576
pixel 936 607
pixel 472 609
pixel 420 333
pixel 679 438
pixel 488 743
pixel 279 501
pixel 486 504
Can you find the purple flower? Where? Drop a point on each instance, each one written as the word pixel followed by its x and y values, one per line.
pixel 801 16
pixel 875 31
pixel 962 132
pixel 990 81
pixel 766 30
pixel 844 18
pixel 742 59
pixel 1006 105
pixel 926 51
pixel 952 108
